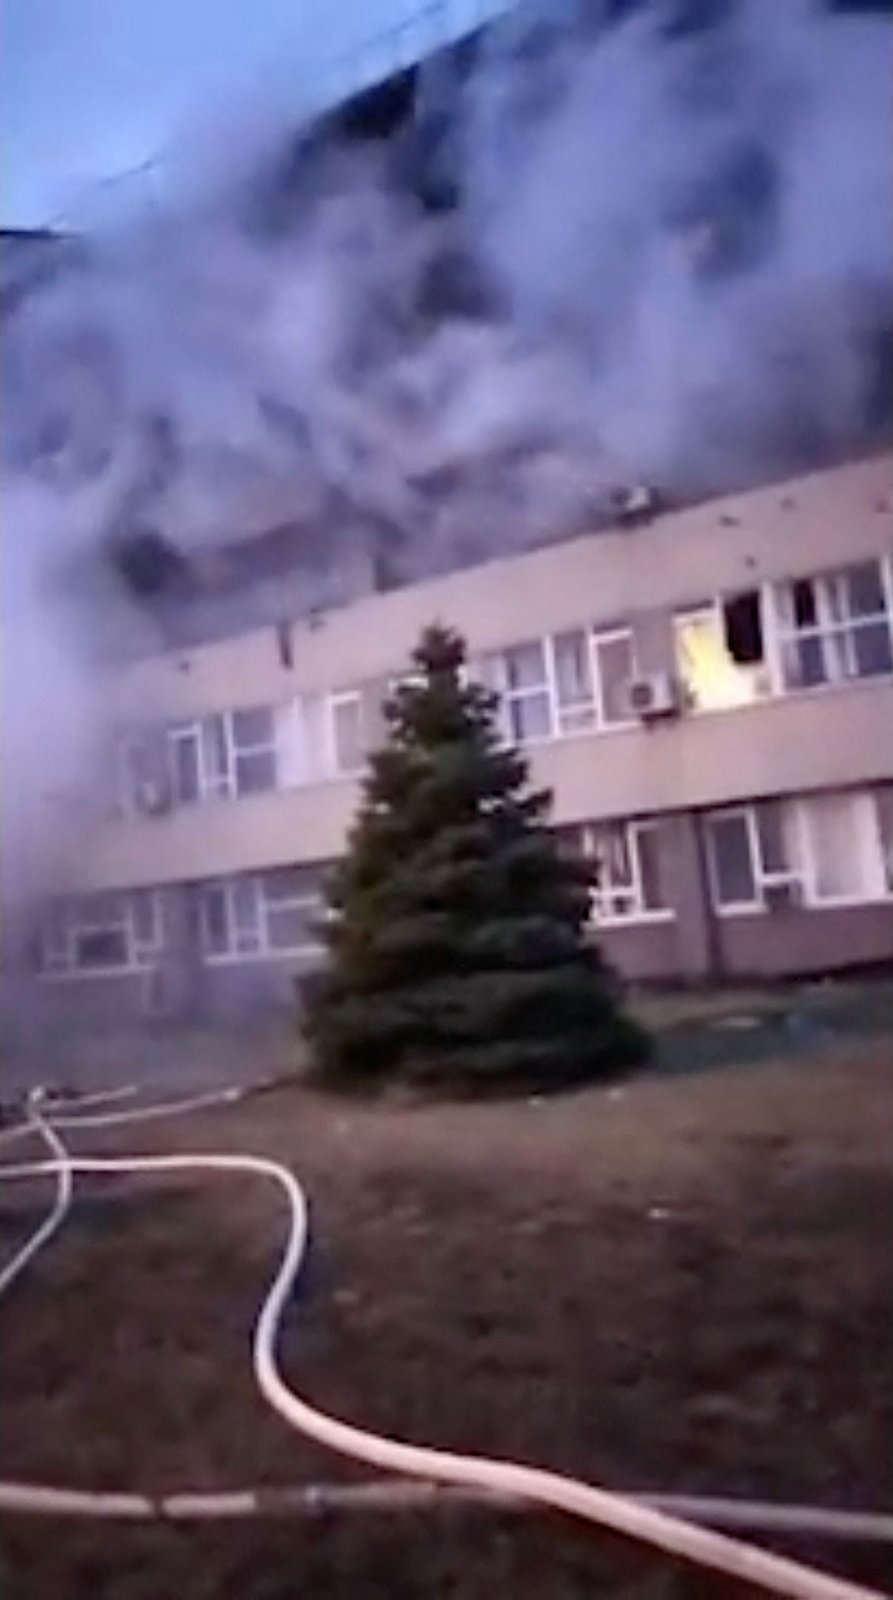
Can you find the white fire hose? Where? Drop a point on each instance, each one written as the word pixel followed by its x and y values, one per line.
pixel 755 1568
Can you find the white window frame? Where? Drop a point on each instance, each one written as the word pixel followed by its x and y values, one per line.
pixel 828 628
pixel 177 733
pixel 142 954
pixel 306 900
pixel 264 950
pixel 865 802
pixel 563 711
pixel 493 666
pixel 131 746
pixel 264 747
pixel 598 637
pixel 802 873
pixel 795 876
pixel 334 700
pixel 227 888
pixel 222 786
pixel 735 908
pixel 638 912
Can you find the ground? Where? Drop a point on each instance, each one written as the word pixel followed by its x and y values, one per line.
pixel 678 1284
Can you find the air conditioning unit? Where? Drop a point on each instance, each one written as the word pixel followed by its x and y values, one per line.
pixel 152 797
pixel 781 894
pixel 656 695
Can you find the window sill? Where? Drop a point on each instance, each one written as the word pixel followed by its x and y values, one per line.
pixel 640 919
pixel 849 902
pixel 844 902
pixel 84 974
pixel 251 958
pixel 778 697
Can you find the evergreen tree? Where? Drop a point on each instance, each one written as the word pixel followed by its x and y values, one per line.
pixel 457 944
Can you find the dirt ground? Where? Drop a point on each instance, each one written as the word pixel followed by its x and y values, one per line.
pixel 680 1285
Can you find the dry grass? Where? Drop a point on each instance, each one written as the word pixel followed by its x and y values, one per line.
pixel 680 1285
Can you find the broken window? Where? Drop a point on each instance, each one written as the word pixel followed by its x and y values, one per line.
pixel 743 624
pixel 720 652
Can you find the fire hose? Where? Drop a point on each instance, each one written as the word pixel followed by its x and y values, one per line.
pixel 680 1540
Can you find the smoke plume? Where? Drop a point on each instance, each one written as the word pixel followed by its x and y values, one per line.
pixel 603 245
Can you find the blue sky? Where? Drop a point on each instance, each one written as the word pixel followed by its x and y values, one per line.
pixel 95 88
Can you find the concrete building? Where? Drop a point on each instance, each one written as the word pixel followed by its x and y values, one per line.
pixel 708 692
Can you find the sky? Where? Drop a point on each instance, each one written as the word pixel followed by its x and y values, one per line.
pixel 95 89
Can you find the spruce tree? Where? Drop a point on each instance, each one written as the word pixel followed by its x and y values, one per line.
pixel 457 945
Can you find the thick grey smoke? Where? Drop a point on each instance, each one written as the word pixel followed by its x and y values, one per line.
pixel 656 249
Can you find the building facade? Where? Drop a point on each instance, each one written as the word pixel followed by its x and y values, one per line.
pixel 708 692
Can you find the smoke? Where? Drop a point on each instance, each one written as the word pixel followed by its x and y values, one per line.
pixel 600 249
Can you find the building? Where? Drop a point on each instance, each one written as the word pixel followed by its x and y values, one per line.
pixel 708 692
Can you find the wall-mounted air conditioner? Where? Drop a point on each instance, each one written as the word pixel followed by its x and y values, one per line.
pixel 781 894
pixel 652 696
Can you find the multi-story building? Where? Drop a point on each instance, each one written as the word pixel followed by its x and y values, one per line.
pixel 707 691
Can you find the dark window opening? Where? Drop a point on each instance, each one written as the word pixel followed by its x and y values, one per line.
pixel 743 626
pixel 102 947
pixel 803 600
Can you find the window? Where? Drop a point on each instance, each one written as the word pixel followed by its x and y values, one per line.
pixel 845 835
pixel 615 666
pixel 215 764
pixel 629 871
pixel 883 800
pixel 733 867
pixel 186 764
pixel 253 736
pixel 229 918
pixel 145 773
pixel 223 754
pixel 263 914
pixel 719 653
pixel 754 855
pixel 574 685
pixel 348 740
pixel 214 923
pixel 835 627
pixel 819 849
pixel 525 693
pixel 292 908
pixel 102 933
pixel 565 683
pixel 518 676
